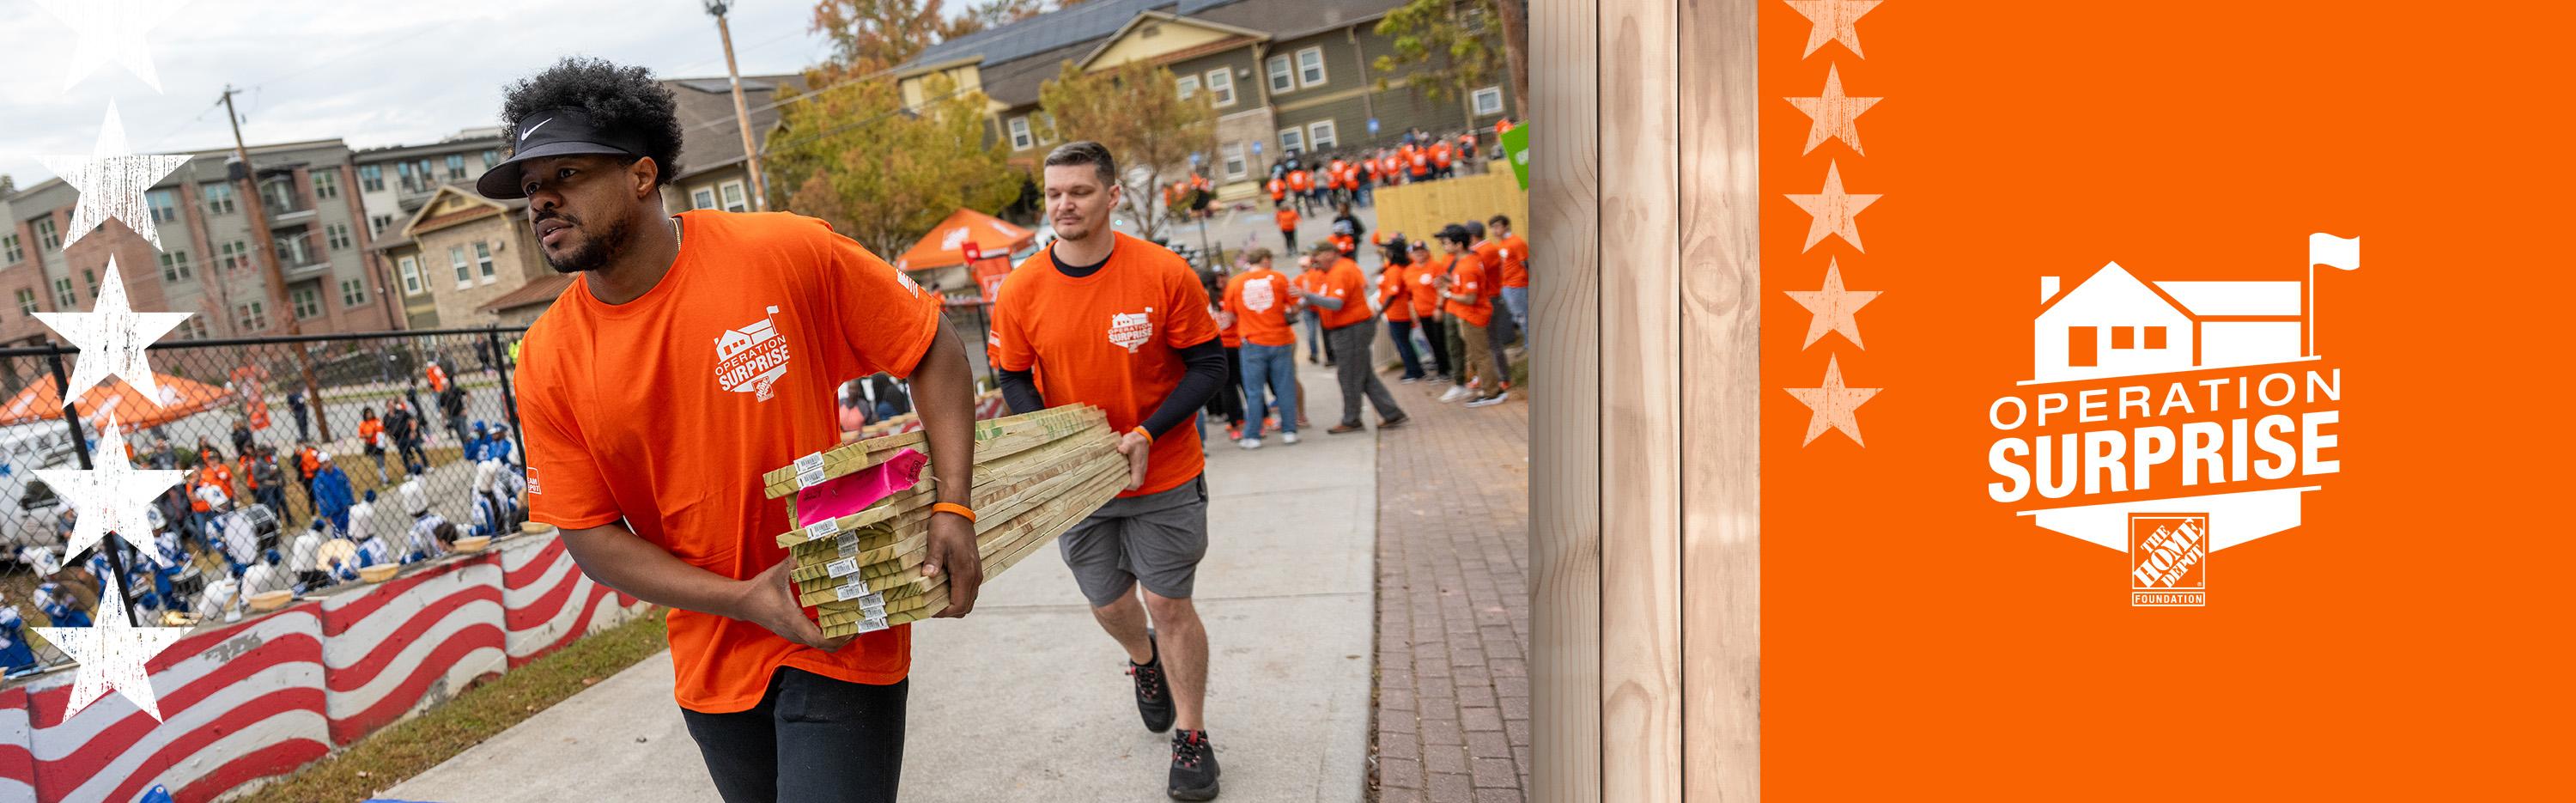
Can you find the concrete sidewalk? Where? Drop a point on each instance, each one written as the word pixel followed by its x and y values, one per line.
pixel 1286 592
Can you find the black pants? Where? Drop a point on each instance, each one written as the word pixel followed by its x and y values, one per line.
pixel 811 738
pixel 1227 403
pixel 1435 332
pixel 1291 236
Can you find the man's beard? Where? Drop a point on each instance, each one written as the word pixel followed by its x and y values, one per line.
pixel 594 252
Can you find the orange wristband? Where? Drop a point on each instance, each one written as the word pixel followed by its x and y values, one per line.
pixel 1140 430
pixel 951 507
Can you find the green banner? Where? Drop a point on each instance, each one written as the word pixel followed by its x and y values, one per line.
pixel 1516 151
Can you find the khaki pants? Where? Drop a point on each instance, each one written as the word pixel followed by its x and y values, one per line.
pixel 1476 364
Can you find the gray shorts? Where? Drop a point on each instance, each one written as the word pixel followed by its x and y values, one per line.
pixel 1156 539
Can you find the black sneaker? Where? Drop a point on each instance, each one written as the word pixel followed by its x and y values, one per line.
pixel 1153 694
pixel 1193 766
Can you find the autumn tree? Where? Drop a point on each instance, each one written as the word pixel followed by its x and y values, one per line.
pixel 852 155
pixel 870 36
pixel 1136 111
pixel 1451 47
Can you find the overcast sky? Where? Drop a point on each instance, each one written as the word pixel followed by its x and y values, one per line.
pixel 369 72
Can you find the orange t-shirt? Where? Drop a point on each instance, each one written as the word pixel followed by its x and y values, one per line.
pixel 1391 295
pixel 1336 175
pixel 1278 189
pixel 310 461
pixel 1259 299
pixel 367 430
pixel 1467 277
pixel 1421 159
pixel 1440 153
pixel 1343 281
pixel 1422 279
pixel 1515 253
pixel 1111 340
pixel 1229 334
pixel 1490 254
pixel 665 410
pixel 1300 180
pixel 437 378
pixel 250 479
pixel 1287 220
pixel 1389 165
pixel 1310 280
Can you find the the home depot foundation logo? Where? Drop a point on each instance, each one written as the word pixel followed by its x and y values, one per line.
pixel 750 359
pixel 2144 396
pixel 2168 559
pixel 1131 330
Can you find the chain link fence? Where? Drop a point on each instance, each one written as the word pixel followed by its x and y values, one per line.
pixel 306 460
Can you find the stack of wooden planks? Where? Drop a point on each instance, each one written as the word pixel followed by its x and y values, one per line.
pixel 1036 475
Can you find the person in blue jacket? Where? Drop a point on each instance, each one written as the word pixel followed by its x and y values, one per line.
pixel 59 606
pixel 331 494
pixel 15 655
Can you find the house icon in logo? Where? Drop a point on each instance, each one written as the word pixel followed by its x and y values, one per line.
pixel 2116 324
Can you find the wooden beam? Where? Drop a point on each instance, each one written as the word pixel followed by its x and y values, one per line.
pixel 1565 416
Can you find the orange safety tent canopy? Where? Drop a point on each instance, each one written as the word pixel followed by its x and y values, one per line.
pixel 179 398
pixel 942 247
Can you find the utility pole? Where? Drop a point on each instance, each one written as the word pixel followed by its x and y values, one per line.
pixel 251 201
pixel 741 112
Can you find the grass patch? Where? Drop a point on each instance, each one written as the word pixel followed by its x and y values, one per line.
pixel 411 747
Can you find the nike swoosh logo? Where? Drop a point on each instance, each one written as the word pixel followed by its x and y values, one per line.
pixel 523 135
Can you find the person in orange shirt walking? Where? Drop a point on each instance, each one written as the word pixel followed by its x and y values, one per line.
pixel 1394 260
pixel 693 353
pixel 1351 327
pixel 1287 218
pixel 1260 300
pixel 1278 191
pixel 1108 320
pixel 1301 184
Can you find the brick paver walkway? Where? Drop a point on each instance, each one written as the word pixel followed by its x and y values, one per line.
pixel 1453 716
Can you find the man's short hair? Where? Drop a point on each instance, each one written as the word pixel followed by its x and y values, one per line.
pixel 1499 220
pixel 1085 152
pixel 1256 256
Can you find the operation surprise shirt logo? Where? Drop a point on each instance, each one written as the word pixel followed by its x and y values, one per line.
pixel 2171 419
pixel 1257 296
pixel 750 359
pixel 1130 330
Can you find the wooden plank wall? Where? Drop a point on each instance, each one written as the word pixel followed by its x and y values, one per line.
pixel 1645 464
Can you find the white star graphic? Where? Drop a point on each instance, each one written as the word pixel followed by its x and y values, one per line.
pixel 1833 307
pixel 113 654
pixel 111 30
pixel 1833 210
pixel 1832 404
pixel 112 182
pixel 112 497
pixel 111 337
pixel 1833 113
pixel 1832 22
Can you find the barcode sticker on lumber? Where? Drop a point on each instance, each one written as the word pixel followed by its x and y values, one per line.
pixel 854 590
pixel 811 462
pixel 823 529
pixel 842 568
pixel 808 479
pixel 872 625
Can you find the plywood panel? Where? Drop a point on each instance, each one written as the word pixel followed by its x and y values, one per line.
pixel 1565 412
pixel 1640 404
pixel 1721 545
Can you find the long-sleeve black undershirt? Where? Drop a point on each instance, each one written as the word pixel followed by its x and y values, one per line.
pixel 1204 363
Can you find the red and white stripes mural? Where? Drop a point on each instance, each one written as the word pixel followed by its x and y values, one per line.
pixel 260 697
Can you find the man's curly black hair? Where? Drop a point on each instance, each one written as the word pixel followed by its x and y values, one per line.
pixel 616 98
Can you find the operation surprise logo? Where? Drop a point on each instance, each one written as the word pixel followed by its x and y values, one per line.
pixel 2171 419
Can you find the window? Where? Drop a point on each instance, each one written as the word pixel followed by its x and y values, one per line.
pixel 1281 78
pixel 308 302
pixel 733 201
pixel 45 233
pixel 63 298
pixel 2155 337
pixel 1235 166
pixel 2121 338
pixel 464 272
pixel 703 198
pixel 409 183
pixel 1291 139
pixel 1046 127
pixel 1488 100
pixel 197 326
pixel 2081 341
pixel 174 266
pixel 483 262
pixel 353 292
pixel 165 205
pixel 1220 86
pixel 1310 67
pixel 219 199
pixel 91 278
pixel 371 178
pixel 411 276
pixel 1020 139
pixel 1188 85
pixel 10 250
pixel 1319 135
pixel 379 223
pixel 27 300
pixel 491 157
pixel 252 316
pixel 337 235
pixel 279 194
pixel 456 167
pixel 326 183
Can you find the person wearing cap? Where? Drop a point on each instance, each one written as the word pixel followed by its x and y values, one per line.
pixel 331 496
pixel 1351 328
pixel 1108 320
pixel 693 353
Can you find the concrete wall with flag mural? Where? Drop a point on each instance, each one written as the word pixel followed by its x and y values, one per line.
pixel 1418 210
pixel 254 699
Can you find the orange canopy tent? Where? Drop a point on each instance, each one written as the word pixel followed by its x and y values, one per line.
pixel 178 398
pixel 944 246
